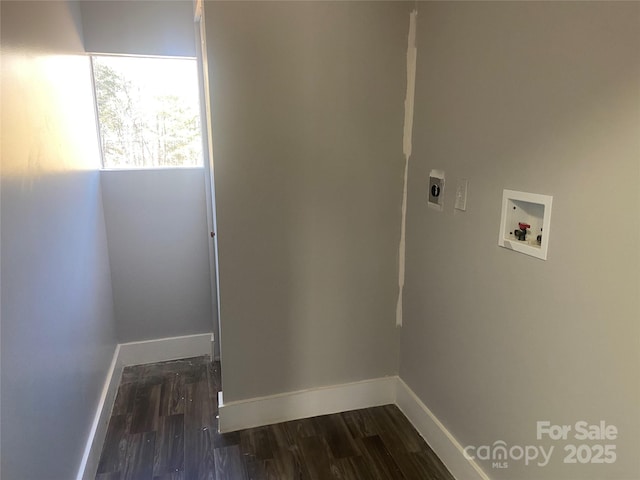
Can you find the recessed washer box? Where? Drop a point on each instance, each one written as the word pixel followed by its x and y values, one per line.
pixel 525 223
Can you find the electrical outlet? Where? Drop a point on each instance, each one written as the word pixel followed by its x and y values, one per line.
pixel 436 190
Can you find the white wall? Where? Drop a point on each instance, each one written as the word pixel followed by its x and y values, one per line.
pixel 57 310
pixel 157 236
pixel 542 97
pixel 307 104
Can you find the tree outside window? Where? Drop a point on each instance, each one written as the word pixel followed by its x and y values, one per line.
pixel 148 112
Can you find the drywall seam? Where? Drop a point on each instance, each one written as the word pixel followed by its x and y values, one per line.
pixel 197 11
pixel 412 52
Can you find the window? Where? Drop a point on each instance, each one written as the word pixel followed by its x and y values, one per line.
pixel 148 112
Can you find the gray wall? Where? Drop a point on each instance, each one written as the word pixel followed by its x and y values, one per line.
pixel 540 97
pixel 163 27
pixel 307 137
pixel 157 237
pixel 57 311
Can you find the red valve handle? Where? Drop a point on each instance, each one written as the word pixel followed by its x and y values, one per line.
pixel 524 226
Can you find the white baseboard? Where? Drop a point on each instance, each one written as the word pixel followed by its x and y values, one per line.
pixel 98 432
pixel 306 403
pixel 165 349
pixel 441 441
pixel 284 407
pixel 134 353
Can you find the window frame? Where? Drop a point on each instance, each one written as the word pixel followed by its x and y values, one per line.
pixel 103 167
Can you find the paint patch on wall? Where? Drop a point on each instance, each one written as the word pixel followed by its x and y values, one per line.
pixel 412 53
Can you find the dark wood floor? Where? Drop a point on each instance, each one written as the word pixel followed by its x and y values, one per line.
pixel 163 427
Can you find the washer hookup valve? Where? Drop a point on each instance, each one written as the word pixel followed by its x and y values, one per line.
pixel 522 233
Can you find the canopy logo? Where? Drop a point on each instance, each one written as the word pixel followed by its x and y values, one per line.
pixel 500 454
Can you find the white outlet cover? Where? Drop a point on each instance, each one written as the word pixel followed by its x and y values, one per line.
pixel 461 194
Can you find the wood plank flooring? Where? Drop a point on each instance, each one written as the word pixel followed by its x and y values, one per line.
pixel 163 427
